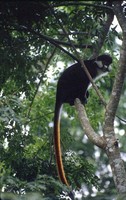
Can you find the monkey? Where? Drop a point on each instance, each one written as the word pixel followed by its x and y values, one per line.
pixel 73 83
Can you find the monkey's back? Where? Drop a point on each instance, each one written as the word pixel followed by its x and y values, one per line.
pixel 72 84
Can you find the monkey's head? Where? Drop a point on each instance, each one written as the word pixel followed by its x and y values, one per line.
pixel 103 62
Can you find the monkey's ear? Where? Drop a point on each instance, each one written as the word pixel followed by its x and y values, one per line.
pixel 99 63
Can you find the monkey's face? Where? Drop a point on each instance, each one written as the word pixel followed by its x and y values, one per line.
pixel 103 62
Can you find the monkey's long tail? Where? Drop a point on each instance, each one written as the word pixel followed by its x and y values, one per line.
pixel 57 146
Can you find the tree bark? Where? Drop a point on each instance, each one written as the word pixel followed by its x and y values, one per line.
pixel 112 149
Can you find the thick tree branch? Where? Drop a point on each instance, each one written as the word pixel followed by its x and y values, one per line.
pixel 121 74
pixel 93 137
pixel 117 88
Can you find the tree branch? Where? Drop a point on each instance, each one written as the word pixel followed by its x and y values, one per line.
pixel 121 74
pixel 93 137
pixel 47 39
pixel 80 3
pixel 76 45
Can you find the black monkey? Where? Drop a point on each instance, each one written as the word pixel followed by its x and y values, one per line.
pixel 72 84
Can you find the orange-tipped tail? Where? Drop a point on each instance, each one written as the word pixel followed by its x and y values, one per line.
pixel 58 154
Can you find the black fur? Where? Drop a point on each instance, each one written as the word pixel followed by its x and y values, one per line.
pixel 73 82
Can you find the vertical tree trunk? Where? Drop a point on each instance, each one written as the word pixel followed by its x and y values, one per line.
pixel 112 149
